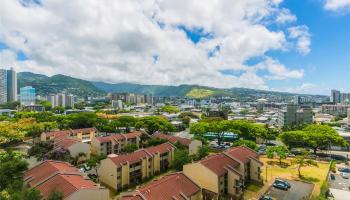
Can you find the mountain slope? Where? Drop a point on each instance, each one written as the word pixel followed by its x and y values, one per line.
pixel 57 83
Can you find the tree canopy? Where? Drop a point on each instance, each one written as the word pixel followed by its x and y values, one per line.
pixel 313 136
pixel 152 124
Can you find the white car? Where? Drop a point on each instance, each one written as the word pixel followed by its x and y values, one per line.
pixel 344 175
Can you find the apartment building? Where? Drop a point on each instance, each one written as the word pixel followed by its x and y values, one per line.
pixel 335 110
pixel 294 115
pixel 85 134
pixel 114 143
pixel 120 171
pixel 170 187
pixel 192 145
pixel 226 172
pixel 73 146
pixel 60 176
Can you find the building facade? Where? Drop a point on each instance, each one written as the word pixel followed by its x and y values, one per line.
pixel 294 115
pixel 61 99
pixel 8 85
pixel 121 171
pixel 335 110
pixel 226 173
pixel 84 135
pixel 27 96
pixel 114 143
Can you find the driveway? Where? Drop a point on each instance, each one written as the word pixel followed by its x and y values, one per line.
pixel 298 191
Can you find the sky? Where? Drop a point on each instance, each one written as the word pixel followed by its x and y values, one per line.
pixel 300 46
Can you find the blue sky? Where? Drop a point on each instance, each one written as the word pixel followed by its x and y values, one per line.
pixel 328 63
pixel 298 46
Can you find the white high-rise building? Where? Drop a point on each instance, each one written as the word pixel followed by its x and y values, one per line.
pixel 61 99
pixel 3 86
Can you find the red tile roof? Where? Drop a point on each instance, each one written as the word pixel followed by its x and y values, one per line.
pixel 65 143
pixel 219 163
pixel 242 153
pixel 173 139
pixel 67 132
pixel 84 130
pixel 131 158
pixel 162 148
pixel 65 183
pixel 46 169
pixel 118 137
pixel 138 155
pixel 170 187
pixel 56 175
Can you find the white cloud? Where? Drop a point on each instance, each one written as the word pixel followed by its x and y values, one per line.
pixel 278 71
pixel 115 41
pixel 306 88
pixel 285 16
pixel 301 33
pixel 337 5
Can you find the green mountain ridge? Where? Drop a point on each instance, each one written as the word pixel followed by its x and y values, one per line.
pixel 58 83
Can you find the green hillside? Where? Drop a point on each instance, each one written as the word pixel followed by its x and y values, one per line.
pixel 57 83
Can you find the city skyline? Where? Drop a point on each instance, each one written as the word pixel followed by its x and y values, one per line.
pixel 272 45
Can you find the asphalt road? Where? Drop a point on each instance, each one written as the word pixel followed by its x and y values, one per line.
pixel 298 191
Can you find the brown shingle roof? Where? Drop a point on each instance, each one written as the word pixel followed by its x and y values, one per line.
pixel 219 163
pixel 68 132
pixel 174 186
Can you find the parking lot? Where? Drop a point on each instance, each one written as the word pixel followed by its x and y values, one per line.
pixel 339 183
pixel 299 190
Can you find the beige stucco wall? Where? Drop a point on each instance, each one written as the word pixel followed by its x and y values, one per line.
pixel 197 196
pixel 80 147
pixel 194 146
pixel 202 176
pixel 254 170
pixel 108 173
pixel 125 175
pixel 90 194
pixel 95 146
pixel 231 183
pixel 156 163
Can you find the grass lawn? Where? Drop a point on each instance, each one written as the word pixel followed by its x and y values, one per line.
pixel 315 175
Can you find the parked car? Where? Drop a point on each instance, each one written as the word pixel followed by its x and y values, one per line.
pixel 332 177
pixel 265 198
pixel 280 186
pixel 343 169
pixel 344 175
pixel 277 180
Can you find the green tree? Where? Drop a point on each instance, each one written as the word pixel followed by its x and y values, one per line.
pixel 58 110
pixel 321 136
pixel 153 124
pixel 126 122
pixel 293 138
pixel 280 151
pixel 247 143
pixel 170 109
pixel 12 167
pixel 32 194
pixel 303 161
pixel 203 151
pixel 181 158
pixel 81 120
pixel 47 104
pixel 130 148
pixel 38 150
pixel 55 195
